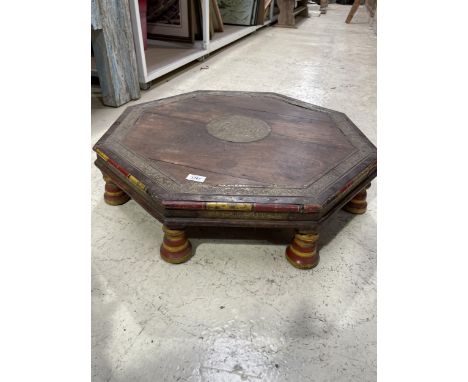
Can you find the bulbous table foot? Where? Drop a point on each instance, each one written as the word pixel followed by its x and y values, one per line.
pixel 176 248
pixel 113 195
pixel 302 252
pixel 358 204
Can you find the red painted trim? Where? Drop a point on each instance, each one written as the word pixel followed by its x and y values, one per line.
pixel 175 243
pixel 118 167
pixel 303 260
pixel 346 186
pixel 110 187
pixel 304 250
pixel 276 207
pixel 257 207
pixel 310 208
pixel 175 255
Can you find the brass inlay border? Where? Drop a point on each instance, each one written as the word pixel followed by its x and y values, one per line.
pixel 229 206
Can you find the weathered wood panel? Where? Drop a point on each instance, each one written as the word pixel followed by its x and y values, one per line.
pixel 114 50
pixel 286 15
pixel 95 15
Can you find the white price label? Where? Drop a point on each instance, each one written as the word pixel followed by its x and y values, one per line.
pixel 196 178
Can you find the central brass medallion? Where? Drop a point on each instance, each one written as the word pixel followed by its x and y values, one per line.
pixel 238 128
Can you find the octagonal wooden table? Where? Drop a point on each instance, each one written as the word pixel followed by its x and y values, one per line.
pixel 237 159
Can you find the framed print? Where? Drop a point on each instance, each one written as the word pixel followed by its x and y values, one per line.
pixel 170 20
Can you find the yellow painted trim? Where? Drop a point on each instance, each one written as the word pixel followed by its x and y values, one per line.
pixel 308 237
pixel 176 249
pixel 358 201
pixel 102 155
pixel 304 244
pixel 358 211
pixel 136 182
pixel 175 237
pixel 302 254
pixel 173 232
pixel 229 206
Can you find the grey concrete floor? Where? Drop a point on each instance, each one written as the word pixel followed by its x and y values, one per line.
pixel 237 311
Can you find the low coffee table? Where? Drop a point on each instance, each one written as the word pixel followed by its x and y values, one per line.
pixel 237 159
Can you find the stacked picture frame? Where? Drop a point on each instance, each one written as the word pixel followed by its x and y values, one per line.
pixel 158 57
pixel 181 20
pixel 170 20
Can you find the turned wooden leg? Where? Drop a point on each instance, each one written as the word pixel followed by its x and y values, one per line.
pixel 323 6
pixel 113 195
pixel 353 10
pixel 302 252
pixel 358 204
pixel 176 248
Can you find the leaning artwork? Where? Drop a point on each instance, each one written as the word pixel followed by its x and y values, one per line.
pixel 169 20
pixel 238 12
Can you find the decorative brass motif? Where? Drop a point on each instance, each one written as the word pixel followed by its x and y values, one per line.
pixel 238 128
pixel 219 214
pixel 165 182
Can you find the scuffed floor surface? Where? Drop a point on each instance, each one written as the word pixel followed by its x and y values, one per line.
pixel 238 311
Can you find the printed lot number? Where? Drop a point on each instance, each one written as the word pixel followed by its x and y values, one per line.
pixel 196 178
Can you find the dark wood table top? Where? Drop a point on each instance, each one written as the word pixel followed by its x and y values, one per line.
pixel 250 152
